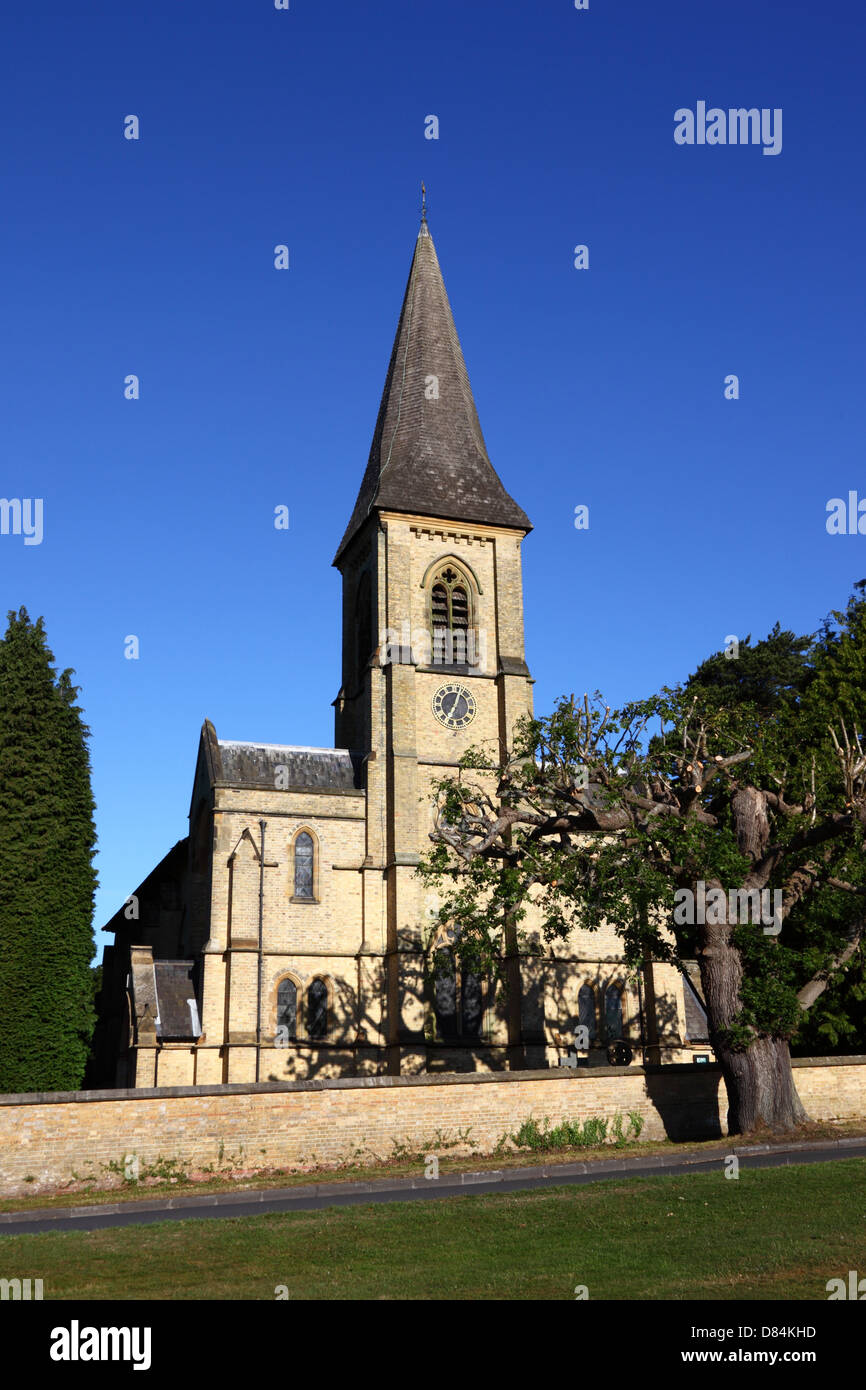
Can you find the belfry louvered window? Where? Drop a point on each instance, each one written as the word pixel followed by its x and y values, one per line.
pixel 450 606
pixel 440 608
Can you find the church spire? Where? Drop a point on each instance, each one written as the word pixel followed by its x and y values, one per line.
pixel 428 455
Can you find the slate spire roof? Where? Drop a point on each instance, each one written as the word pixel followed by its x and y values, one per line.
pixel 428 455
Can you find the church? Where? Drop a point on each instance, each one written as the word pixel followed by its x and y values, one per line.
pixel 288 936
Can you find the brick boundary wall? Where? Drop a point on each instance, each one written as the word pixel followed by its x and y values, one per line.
pixel 50 1138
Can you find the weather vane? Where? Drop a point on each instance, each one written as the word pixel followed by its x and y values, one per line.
pixel 423 203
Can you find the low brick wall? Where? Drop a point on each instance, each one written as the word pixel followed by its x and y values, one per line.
pixel 52 1138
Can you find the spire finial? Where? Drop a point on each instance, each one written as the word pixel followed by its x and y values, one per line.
pixel 423 203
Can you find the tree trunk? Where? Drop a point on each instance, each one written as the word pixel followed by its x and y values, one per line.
pixel 760 1086
pixel 759 1079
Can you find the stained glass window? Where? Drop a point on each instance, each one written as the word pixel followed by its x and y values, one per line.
pixel 457 999
pixel 586 1010
pixel 445 993
pixel 471 1005
pixel 304 865
pixel 287 1007
pixel 317 1009
pixel 612 1014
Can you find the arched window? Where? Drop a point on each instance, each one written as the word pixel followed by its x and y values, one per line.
pixel 586 1010
pixel 458 999
pixel 287 1007
pixel 303 867
pixel 317 1009
pixel 612 1014
pixel 471 1005
pixel 445 993
pixel 453 636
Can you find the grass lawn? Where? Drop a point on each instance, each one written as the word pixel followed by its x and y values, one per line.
pixel 770 1234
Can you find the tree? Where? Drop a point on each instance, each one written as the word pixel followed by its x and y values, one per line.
pixel 47 879
pixel 836 1018
pixel 685 839
pixel 809 676
pixel 765 675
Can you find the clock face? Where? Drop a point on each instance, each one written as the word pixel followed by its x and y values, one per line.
pixel 454 705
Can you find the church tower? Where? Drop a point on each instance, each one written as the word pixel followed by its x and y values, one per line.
pixel 287 936
pixel 433 646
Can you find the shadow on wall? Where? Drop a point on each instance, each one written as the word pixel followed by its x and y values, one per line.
pixel 687 1101
pixel 608 1005
pixel 343 1022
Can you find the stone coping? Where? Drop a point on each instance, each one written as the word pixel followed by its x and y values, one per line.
pixel 349 1083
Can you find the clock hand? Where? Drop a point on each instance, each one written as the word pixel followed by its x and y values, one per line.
pixel 450 709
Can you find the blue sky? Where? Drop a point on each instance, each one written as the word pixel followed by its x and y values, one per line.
pixel 260 387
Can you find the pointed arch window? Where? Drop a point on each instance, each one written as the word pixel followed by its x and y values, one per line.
pixel 317 1009
pixel 445 993
pixel 471 1005
pixel 303 868
pixel 612 1014
pixel 287 1007
pixel 586 1010
pixel 458 999
pixel 451 620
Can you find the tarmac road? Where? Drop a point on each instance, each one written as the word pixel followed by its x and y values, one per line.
pixel 314 1197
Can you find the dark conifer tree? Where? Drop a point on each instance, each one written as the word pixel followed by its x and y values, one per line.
pixel 47 878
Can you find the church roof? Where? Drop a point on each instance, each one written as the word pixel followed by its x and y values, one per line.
pixel 428 454
pixel 174 989
pixel 163 992
pixel 305 769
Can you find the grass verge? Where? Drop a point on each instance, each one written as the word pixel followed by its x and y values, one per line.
pixel 771 1234
pixel 77 1194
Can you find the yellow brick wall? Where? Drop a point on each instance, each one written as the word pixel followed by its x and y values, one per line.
pixel 366 891
pixel 301 939
pixel 49 1139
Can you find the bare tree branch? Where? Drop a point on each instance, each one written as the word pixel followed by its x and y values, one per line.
pixel 819 982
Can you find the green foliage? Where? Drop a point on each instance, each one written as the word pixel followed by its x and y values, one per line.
pixel 160 1170
pixel 763 676
pixel 47 878
pixel 583 856
pixel 441 1139
pixel 572 1135
pixel 837 1021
